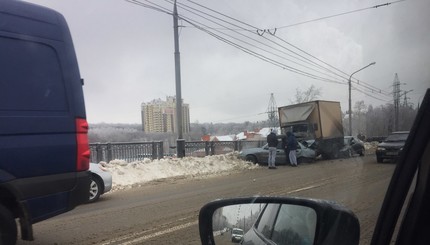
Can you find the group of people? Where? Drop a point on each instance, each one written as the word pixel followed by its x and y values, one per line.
pixel 289 144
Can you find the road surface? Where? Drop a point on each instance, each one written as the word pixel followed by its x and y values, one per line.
pixel 166 211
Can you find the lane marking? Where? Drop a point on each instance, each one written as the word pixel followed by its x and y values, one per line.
pixel 304 188
pixel 141 238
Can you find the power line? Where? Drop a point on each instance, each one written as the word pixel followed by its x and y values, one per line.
pixel 256 29
pixel 335 15
pixel 158 8
pixel 305 61
pixel 264 58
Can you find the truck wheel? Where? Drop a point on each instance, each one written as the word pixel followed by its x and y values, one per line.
pixel 8 230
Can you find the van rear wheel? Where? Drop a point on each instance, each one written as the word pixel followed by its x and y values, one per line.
pixel 8 230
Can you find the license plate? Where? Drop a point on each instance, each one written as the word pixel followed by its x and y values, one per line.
pixel 392 153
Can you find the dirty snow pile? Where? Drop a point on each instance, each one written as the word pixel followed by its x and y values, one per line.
pixel 370 147
pixel 128 175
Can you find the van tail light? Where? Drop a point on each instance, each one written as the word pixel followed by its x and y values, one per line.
pixel 83 151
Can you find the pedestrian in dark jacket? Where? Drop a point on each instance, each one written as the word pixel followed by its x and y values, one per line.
pixel 272 142
pixel 291 148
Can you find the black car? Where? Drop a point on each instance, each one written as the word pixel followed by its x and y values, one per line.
pixel 391 147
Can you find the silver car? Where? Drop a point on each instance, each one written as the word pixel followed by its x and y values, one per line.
pixel 260 155
pixel 101 181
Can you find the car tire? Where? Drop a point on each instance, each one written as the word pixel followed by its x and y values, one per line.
pixel 361 152
pixel 8 230
pixel 251 158
pixel 95 188
pixel 379 159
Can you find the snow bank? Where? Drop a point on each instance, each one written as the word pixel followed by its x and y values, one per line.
pixel 127 175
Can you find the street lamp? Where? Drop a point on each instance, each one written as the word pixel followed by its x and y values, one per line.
pixel 349 85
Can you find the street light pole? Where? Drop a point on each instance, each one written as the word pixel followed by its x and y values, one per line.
pixel 180 143
pixel 349 86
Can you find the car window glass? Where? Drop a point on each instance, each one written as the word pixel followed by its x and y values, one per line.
pixel 265 223
pixel 280 145
pixel 294 225
pixel 35 85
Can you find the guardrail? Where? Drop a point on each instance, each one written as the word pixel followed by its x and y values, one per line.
pixel 131 151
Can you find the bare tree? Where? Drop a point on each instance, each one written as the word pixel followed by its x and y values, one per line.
pixel 312 93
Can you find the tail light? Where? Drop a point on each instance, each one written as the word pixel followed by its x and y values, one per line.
pixel 83 151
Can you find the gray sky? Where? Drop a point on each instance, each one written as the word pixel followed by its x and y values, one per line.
pixel 126 54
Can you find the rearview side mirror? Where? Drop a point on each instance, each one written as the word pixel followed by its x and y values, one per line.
pixel 282 220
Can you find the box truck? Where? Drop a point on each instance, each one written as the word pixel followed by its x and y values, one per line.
pixel 316 122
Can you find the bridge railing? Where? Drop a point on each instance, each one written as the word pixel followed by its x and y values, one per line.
pixel 136 151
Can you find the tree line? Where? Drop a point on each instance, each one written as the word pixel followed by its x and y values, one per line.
pixel 366 119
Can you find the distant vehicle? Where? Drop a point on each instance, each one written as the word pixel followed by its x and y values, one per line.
pixel 391 147
pixel 260 155
pixel 352 146
pixel 315 120
pixel 236 235
pixel 101 181
pixel 44 151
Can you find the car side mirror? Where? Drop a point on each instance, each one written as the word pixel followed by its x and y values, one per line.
pixel 283 220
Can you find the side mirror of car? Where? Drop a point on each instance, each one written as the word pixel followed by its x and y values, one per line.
pixel 283 220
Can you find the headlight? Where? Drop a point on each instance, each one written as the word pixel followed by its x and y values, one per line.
pixel 381 149
pixel 401 149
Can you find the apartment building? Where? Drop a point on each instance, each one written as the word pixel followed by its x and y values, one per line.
pixel 159 116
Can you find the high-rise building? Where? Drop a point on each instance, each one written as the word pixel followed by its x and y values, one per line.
pixel 160 116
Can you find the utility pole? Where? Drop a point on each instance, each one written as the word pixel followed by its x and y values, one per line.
pixel 272 112
pixel 396 98
pixel 180 143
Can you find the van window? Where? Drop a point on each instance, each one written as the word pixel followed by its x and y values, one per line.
pixel 30 77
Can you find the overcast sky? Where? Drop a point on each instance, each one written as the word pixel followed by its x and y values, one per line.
pixel 126 54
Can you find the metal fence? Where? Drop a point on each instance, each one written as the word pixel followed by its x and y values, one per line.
pixel 130 152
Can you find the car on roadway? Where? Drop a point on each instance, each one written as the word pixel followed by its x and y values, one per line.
pixel 236 235
pixel 260 154
pixel 392 146
pixel 352 146
pixel 404 217
pixel 101 181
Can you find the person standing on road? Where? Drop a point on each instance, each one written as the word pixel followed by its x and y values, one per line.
pixel 272 141
pixel 291 148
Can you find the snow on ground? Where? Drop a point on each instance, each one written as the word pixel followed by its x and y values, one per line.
pixel 128 175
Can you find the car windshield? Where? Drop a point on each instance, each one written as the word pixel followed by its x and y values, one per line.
pixel 180 97
pixel 396 137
